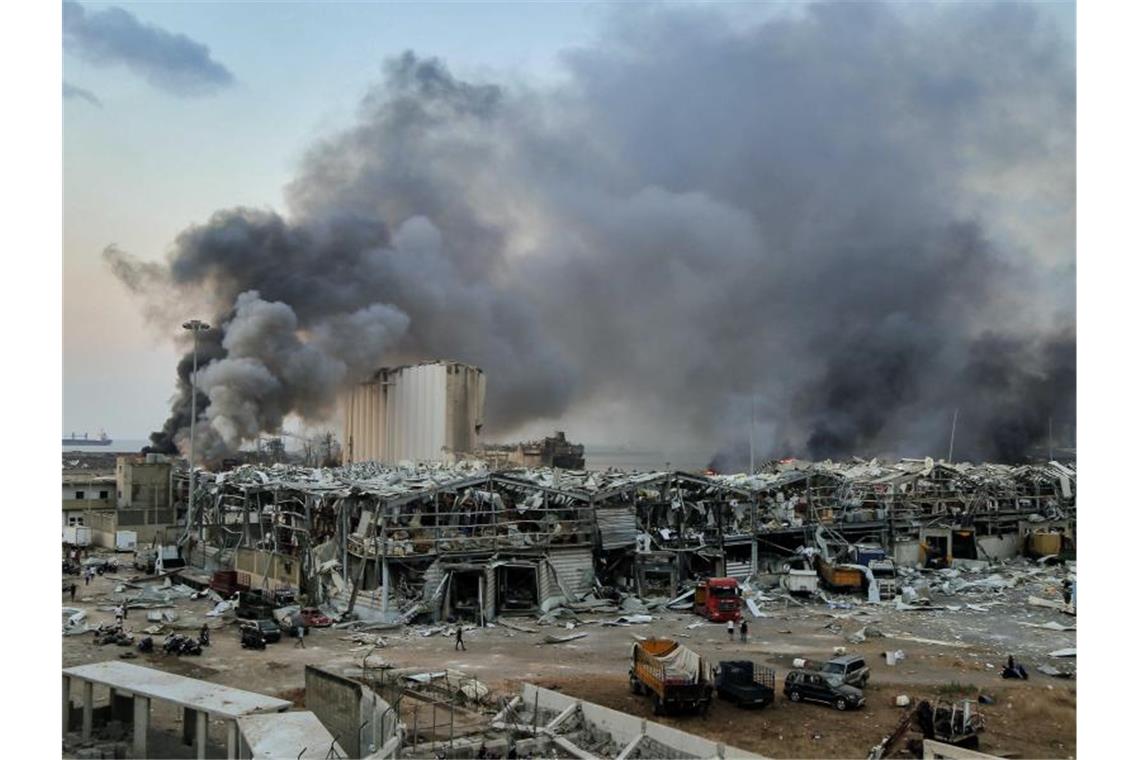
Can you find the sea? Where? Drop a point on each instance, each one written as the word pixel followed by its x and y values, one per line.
pixel 118 446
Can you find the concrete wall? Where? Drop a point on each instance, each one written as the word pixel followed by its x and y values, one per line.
pixel 999 547
pixel 343 705
pixel 336 702
pixel 95 495
pixel 907 552
pixel 267 569
pixel 932 749
pixel 142 484
pixel 624 728
pixel 83 495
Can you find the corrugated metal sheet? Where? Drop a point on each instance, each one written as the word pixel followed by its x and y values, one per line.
pixel 738 570
pixel 569 569
pixel 433 576
pixel 417 403
pixel 417 413
pixel 489 592
pixel 617 527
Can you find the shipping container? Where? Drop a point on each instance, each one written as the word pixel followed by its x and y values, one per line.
pixel 77 535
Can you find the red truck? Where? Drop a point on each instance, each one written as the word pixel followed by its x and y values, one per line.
pixel 717 599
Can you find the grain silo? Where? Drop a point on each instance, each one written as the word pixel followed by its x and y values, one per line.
pixel 418 412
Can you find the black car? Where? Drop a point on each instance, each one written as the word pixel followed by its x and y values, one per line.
pixel 828 688
pixel 268 629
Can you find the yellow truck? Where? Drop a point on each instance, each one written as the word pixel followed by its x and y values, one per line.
pixel 678 679
pixel 839 577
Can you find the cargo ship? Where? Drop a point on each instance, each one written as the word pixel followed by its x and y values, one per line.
pixel 75 440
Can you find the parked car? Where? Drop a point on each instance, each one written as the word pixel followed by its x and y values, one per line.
pixel 852 668
pixel 269 629
pixel 828 688
pixel 314 618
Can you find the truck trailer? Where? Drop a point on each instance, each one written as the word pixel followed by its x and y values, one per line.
pixel 678 679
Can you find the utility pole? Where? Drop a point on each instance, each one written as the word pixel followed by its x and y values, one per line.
pixel 195 326
pixel 953 429
pixel 751 444
pixel 1050 439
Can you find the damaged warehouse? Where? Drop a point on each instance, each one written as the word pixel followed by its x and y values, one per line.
pixel 460 542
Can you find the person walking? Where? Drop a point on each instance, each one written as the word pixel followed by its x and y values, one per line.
pixel 459 638
pixel 72 589
pixel 731 630
pixel 744 631
pixel 300 637
pixel 86 576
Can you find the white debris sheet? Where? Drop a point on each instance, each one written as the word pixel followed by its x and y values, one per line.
pixel 561 639
pixel 74 621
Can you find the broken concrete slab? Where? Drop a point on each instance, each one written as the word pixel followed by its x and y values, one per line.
pixel 561 639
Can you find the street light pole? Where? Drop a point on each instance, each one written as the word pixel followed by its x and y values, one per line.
pixel 195 326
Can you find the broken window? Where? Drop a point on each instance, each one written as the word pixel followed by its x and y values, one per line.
pixel 517 587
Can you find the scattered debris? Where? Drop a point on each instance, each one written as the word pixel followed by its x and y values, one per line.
pixel 561 639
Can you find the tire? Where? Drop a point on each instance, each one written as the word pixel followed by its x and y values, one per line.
pixel 634 686
pixel 841 704
pixel 794 696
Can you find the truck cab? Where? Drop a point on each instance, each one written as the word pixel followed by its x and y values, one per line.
pixel 717 599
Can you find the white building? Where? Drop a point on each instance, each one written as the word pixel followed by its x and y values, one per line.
pixel 420 412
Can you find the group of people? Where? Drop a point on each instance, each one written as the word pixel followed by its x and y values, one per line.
pixel 743 630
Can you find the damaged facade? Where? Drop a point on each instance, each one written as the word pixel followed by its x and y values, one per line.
pixel 135 504
pixel 461 542
pixel 551 451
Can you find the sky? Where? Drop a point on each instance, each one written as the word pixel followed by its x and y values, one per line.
pixel 176 110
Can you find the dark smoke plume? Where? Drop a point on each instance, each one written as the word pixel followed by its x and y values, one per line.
pixel 859 216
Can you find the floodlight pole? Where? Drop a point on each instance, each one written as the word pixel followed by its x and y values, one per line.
pixel 195 326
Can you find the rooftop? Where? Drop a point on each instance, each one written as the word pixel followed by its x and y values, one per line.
pixel 219 701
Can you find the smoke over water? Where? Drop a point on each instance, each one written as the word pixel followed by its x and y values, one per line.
pixel 855 218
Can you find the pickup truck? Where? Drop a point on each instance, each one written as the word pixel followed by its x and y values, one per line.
pixel 745 683
pixel 229 582
pixel 678 678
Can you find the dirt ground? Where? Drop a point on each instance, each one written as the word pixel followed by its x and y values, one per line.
pixel 1034 718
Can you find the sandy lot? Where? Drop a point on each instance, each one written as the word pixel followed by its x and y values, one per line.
pixel 1035 718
